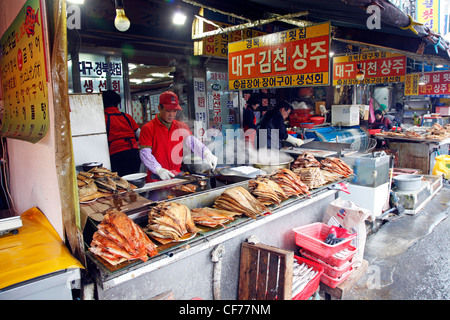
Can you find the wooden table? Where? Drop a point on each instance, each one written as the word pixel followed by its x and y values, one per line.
pixel 342 289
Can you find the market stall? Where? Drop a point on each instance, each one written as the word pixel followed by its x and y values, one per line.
pixel 418 148
pixel 191 253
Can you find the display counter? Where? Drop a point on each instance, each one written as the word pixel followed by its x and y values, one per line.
pixel 186 267
pixel 416 153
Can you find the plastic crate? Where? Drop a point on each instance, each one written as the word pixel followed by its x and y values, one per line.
pixel 313 285
pixel 333 260
pixel 332 271
pixel 334 282
pixel 312 236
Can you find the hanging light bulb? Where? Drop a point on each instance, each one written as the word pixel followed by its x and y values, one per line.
pixel 179 18
pixel 360 73
pixel 121 21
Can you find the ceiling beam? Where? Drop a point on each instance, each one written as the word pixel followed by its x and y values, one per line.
pixel 252 24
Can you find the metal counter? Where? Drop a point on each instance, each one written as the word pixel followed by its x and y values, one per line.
pixel 187 268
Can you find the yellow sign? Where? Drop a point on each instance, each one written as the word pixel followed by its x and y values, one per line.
pixel 217 45
pixel 24 76
pixel 297 57
pixel 428 13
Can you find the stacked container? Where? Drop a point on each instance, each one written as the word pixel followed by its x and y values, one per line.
pixel 335 259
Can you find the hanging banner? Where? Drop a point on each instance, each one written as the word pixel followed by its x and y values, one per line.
pixel 437 84
pixel 378 67
pixel 24 76
pixel 297 57
pixel 428 13
pixel 201 112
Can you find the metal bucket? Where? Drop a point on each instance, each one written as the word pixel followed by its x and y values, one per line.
pixel 408 182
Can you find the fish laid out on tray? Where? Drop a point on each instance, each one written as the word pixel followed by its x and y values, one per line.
pixel 305 160
pixel 119 238
pixel 330 176
pixel 170 220
pixel 212 217
pixel 266 191
pixel 289 182
pixel 302 275
pixel 336 165
pixel 239 199
pixel 311 176
pixel 100 182
pixel 189 188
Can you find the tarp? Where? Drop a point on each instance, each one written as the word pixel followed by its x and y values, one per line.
pixel 35 251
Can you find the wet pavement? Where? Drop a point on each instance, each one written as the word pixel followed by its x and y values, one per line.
pixel 409 256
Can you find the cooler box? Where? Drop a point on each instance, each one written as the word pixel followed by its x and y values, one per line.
pixel 345 115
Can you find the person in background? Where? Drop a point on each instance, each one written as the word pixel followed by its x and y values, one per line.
pixel 381 122
pixel 162 139
pixel 123 134
pixel 249 119
pixel 253 103
pixel 272 126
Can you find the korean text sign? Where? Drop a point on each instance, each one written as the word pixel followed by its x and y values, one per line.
pixel 436 84
pixel 24 76
pixel 378 67
pixel 297 57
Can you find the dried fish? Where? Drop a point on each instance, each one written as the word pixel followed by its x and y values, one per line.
pixel 239 199
pixel 119 238
pixel 170 220
pixel 302 275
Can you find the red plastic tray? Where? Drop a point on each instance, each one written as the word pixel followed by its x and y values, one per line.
pixel 312 236
pixel 332 260
pixel 334 282
pixel 331 271
pixel 312 286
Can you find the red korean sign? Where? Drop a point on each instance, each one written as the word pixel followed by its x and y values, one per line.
pixel 378 67
pixel 297 57
pixel 436 84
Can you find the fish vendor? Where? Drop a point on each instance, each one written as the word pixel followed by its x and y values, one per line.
pixel 272 131
pixel 123 134
pixel 161 141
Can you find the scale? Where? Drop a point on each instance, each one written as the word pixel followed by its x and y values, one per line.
pixel 9 222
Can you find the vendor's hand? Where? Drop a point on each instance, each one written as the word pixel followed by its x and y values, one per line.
pixel 294 141
pixel 164 174
pixel 211 160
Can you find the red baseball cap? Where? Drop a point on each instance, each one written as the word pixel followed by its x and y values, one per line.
pixel 169 100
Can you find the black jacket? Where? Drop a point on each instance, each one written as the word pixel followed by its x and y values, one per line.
pixel 273 122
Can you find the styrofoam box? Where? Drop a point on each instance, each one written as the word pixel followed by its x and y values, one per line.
pixel 345 115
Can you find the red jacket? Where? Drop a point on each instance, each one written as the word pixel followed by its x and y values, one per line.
pixel 121 129
pixel 166 145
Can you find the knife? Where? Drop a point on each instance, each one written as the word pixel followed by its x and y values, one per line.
pixel 308 140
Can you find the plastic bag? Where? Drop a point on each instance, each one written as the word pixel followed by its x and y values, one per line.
pixel 350 216
pixel 442 166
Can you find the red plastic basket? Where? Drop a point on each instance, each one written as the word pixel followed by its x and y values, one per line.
pixel 312 236
pixel 334 282
pixel 332 271
pixel 313 285
pixel 333 260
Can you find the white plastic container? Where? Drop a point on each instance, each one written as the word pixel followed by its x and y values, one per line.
pixel 345 115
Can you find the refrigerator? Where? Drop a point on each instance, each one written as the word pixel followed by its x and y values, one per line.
pixel 89 138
